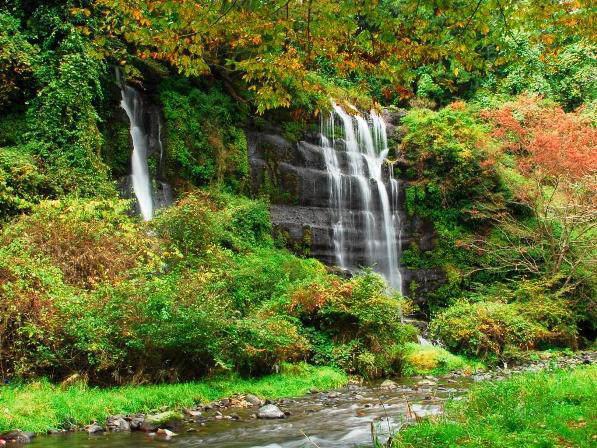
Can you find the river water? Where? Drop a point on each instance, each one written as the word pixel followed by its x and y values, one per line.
pixel 342 418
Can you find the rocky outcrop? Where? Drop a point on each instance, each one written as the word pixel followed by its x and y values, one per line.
pixel 295 177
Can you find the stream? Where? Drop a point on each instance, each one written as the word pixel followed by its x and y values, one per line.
pixel 339 418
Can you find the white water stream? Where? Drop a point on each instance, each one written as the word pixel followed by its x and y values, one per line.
pixel 363 205
pixel 133 106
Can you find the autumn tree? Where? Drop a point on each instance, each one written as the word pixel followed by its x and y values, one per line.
pixel 300 52
pixel 556 153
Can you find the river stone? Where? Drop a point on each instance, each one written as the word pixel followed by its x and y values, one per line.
pixel 17 436
pixel 165 433
pixel 136 422
pixel 166 419
pixel 117 423
pixel 94 428
pixel 388 384
pixel 425 410
pixel 254 400
pixel 193 413
pixel 270 411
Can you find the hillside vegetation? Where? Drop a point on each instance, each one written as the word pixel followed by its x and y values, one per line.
pixel 497 144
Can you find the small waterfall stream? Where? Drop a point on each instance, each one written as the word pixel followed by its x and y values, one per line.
pixel 364 208
pixel 133 106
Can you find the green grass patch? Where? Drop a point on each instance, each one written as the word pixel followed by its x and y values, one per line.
pixel 41 406
pixel 432 360
pixel 546 409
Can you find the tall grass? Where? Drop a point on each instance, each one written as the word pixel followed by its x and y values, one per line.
pixel 530 410
pixel 41 406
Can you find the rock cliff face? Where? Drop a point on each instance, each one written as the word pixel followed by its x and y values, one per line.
pixel 298 180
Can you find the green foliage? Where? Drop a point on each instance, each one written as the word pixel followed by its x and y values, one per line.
pixel 203 219
pixel 448 154
pixel 566 76
pixel 16 59
pixel 41 406
pixel 532 409
pixel 22 183
pixel 485 328
pixel 63 75
pixel 55 266
pixel 63 118
pixel 206 290
pixel 361 324
pixel 202 136
pixel 454 185
pixel 504 320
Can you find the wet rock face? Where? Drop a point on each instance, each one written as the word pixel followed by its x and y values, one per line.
pixel 295 177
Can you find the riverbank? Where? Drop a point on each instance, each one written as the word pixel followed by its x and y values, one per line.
pixel 41 407
pixel 531 409
pixel 226 411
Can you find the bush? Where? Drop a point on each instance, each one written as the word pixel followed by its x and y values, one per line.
pixel 454 188
pixel 531 317
pixel 485 328
pixel 361 324
pixel 52 261
pixel 90 241
pixel 22 182
pixel 85 288
pixel 201 219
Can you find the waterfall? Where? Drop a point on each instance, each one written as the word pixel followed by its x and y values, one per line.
pixel 133 106
pixel 365 217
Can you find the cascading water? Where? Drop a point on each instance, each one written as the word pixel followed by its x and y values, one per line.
pixel 133 106
pixel 364 209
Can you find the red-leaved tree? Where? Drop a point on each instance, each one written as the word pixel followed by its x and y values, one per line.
pixel 556 153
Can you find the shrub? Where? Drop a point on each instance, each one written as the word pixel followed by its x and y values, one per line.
pixel 90 241
pixel 362 323
pixel 201 219
pixel 22 182
pixel 492 327
pixel 484 328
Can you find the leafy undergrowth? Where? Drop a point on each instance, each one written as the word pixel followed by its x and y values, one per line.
pixel 41 406
pixel 544 409
pixel 430 359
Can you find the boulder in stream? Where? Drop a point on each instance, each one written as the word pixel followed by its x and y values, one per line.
pixel 117 423
pixel 168 419
pixel 17 436
pixel 270 411
pixel 388 384
pixel 253 399
pixel 94 428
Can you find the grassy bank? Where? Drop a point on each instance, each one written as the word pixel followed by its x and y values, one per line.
pixel 42 406
pixel 530 410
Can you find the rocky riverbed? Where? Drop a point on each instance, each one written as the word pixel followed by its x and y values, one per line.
pixel 339 418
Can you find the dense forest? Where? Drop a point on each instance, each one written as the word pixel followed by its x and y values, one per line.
pixel 493 139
